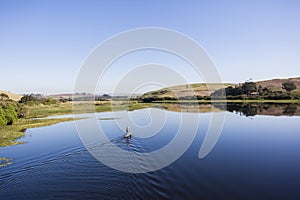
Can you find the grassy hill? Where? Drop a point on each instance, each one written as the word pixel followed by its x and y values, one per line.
pixel 12 96
pixel 201 89
pixel 198 89
pixel 276 84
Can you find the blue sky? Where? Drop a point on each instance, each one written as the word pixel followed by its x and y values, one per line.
pixel 43 43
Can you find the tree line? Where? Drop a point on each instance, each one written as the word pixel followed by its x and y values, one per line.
pixel 250 90
pixel 33 100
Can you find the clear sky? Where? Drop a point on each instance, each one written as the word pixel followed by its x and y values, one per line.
pixel 43 43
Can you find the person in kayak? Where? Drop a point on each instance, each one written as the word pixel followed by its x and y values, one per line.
pixel 128 133
pixel 127 129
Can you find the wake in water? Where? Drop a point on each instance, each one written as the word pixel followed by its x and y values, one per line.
pixel 30 168
pixel 73 171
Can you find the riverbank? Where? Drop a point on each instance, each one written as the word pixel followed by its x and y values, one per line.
pixel 9 134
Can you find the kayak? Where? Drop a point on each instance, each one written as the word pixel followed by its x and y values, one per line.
pixel 128 135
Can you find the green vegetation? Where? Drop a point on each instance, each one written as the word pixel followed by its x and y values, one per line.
pixel 31 100
pixel 275 89
pixel 196 91
pixel 16 117
pixel 41 110
pixel 21 116
pixel 10 110
pixel 249 90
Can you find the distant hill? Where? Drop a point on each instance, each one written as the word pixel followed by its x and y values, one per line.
pixel 198 89
pixel 201 89
pixel 276 84
pixel 12 96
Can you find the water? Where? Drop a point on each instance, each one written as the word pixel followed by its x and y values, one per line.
pixel 256 157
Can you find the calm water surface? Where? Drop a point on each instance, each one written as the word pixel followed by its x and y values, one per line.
pixel 255 158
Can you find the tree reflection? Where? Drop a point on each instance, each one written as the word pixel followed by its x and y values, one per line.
pixel 290 110
pixel 261 109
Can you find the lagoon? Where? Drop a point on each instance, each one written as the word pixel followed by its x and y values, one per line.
pixel 255 157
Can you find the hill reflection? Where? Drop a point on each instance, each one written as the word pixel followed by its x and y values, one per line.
pixel 249 109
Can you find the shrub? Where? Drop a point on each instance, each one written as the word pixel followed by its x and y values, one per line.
pixel 11 116
pixel 8 115
pixel 31 100
pixel 3 120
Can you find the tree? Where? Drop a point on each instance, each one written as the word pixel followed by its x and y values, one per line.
pixel 26 98
pixel 8 114
pixel 249 87
pixel 11 116
pixel 234 91
pixel 289 86
pixel 245 88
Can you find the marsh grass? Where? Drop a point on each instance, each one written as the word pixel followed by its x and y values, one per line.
pixel 9 134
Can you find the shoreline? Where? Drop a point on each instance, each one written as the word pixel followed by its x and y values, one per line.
pixel 9 134
pixel 293 101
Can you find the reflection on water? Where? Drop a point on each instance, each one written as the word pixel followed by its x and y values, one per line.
pixel 190 107
pixel 262 109
pixel 247 109
pixel 5 162
pixel 256 158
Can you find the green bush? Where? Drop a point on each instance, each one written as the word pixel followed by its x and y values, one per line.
pixel 3 120
pixel 8 115
pixel 11 116
pixel 49 101
pixel 9 112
